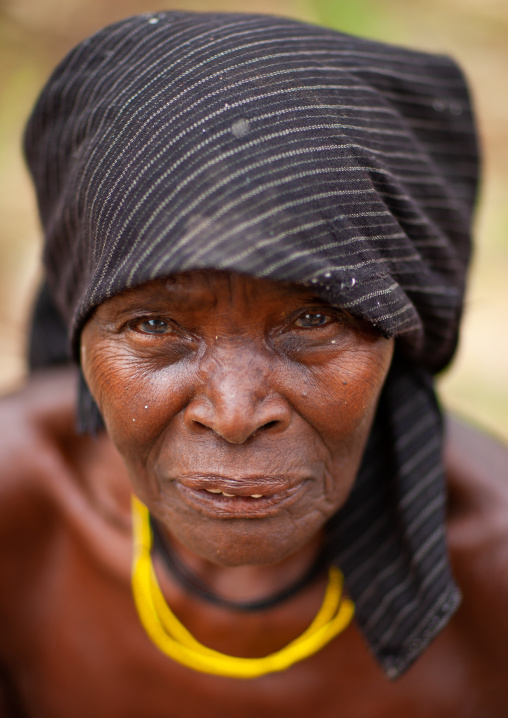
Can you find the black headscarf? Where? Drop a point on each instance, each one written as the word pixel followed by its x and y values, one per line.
pixel 177 141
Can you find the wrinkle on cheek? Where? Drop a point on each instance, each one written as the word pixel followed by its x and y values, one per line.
pixel 103 369
pixel 313 520
pixel 122 389
pixel 339 482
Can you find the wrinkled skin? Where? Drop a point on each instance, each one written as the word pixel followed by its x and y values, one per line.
pixel 226 382
pixel 71 643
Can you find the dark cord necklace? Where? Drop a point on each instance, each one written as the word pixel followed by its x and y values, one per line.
pixel 200 588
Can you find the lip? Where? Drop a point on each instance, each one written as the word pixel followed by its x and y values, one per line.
pixel 278 493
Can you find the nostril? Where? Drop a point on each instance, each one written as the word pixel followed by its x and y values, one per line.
pixel 269 424
pixel 264 427
pixel 201 425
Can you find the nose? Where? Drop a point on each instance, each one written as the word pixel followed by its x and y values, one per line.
pixel 235 398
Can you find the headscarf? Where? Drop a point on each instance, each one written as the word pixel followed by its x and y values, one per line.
pixel 177 141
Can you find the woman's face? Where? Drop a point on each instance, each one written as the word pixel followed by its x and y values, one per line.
pixel 241 407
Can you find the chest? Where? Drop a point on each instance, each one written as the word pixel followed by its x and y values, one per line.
pixel 81 651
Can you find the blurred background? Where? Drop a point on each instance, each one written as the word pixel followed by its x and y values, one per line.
pixel 36 34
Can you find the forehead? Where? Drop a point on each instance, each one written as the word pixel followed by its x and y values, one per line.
pixel 209 289
pixel 213 281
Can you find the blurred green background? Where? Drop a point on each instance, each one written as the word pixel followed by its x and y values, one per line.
pixel 35 34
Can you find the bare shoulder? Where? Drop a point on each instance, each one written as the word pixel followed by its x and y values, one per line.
pixel 58 491
pixel 34 423
pixel 477 473
pixel 48 471
pixel 54 483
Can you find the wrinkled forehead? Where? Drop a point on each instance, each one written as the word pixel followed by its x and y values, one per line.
pixel 205 291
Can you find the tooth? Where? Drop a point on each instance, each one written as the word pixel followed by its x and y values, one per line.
pixel 224 494
pixel 256 496
pixel 214 491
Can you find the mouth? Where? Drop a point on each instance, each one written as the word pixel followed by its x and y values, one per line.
pixel 250 497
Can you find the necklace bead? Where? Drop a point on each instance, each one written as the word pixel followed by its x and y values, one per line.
pixel 173 639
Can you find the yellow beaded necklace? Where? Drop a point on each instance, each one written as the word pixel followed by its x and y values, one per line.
pixel 173 639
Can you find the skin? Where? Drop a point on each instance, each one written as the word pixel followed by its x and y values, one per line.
pixel 71 641
pixel 241 385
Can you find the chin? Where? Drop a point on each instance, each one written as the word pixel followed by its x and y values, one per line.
pixel 240 543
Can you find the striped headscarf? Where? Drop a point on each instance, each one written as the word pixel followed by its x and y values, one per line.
pixel 176 141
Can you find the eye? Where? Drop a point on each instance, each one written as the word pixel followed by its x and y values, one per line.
pixel 312 319
pixel 152 326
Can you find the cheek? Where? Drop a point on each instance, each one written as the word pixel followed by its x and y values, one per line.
pixel 137 401
pixel 345 398
pixel 341 398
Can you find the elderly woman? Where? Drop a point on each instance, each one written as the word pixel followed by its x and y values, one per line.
pixel 256 238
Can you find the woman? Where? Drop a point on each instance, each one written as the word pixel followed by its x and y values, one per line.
pixel 256 233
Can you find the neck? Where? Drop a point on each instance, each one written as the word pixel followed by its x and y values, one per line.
pixel 247 583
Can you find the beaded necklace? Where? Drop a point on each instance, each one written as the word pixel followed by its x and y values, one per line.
pixel 173 639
